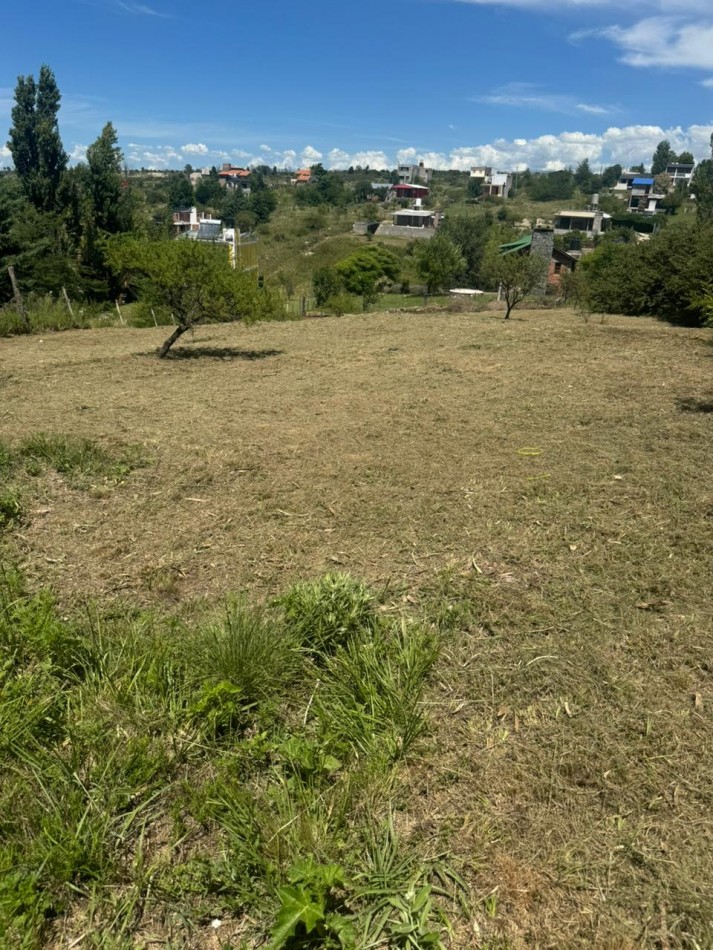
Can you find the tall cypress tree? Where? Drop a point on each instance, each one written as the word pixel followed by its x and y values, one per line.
pixel 104 159
pixel 35 142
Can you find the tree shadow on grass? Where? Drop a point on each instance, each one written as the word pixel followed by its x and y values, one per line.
pixel 217 353
pixel 693 404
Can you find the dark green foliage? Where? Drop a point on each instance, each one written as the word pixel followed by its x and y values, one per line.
pixel 438 261
pixel 193 280
pixel 548 186
pixel 583 177
pixel 667 277
pixel 104 160
pixel 327 613
pixel 180 192
pixel 471 235
pixel 34 142
pixel 326 283
pixel 311 909
pixel 611 175
pixel 702 188
pixel 366 271
pixel 663 156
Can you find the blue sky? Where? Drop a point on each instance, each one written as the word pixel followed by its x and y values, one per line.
pixel 456 82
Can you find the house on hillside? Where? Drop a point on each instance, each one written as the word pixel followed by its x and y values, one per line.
pixel 681 173
pixel 231 177
pixel 404 192
pixel 541 241
pixel 303 177
pixel 415 174
pixel 643 198
pixel 592 222
pixel 411 223
pixel 493 184
pixel 191 220
pixel 497 185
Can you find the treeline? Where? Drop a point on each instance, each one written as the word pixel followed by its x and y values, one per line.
pixel 53 217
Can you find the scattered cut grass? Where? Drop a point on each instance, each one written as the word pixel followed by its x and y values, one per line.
pixel 536 495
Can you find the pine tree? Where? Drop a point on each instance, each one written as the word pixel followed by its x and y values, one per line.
pixel 35 142
pixel 663 156
pixel 105 159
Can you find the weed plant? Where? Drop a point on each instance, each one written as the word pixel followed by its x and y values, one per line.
pixel 150 772
pixel 325 614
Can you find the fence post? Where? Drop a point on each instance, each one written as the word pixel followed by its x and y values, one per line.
pixel 18 299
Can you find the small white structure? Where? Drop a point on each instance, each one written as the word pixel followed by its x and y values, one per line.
pixel 481 171
pixel 191 219
pixel 497 185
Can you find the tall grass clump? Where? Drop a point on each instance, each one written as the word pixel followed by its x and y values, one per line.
pixel 46 313
pixel 221 772
pixel 371 691
pixel 245 646
pixel 328 612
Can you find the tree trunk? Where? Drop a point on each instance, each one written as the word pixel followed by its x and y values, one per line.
pixel 166 346
pixel 509 308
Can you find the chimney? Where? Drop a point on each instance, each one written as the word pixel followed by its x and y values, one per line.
pixel 543 242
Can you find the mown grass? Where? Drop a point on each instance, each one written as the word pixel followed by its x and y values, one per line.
pixel 535 493
pixel 81 462
pixel 158 776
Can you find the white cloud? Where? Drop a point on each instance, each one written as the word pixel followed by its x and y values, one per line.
pixel 525 95
pixel 338 159
pixel 78 153
pixel 140 9
pixel 265 148
pixel 708 83
pixel 4 152
pixel 664 41
pixel 627 145
pixel 310 155
pixel 195 148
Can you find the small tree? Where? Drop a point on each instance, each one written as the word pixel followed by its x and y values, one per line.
pixel 192 279
pixel 663 156
pixel 517 275
pixel 365 271
pixel 437 261
pixel 326 283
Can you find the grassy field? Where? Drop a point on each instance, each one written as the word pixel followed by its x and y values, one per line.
pixel 528 504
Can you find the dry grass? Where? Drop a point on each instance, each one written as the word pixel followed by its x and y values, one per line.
pixel 541 488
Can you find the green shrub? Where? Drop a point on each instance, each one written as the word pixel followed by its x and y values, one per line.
pixel 339 304
pixel 327 613
pixel 219 710
pixel 11 507
pixel 247 649
pixel 370 696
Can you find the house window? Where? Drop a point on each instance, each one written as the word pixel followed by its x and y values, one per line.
pixel 558 267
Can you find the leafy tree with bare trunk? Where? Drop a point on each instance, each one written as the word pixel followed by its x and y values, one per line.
pixel 517 273
pixel 193 280
pixel 437 260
